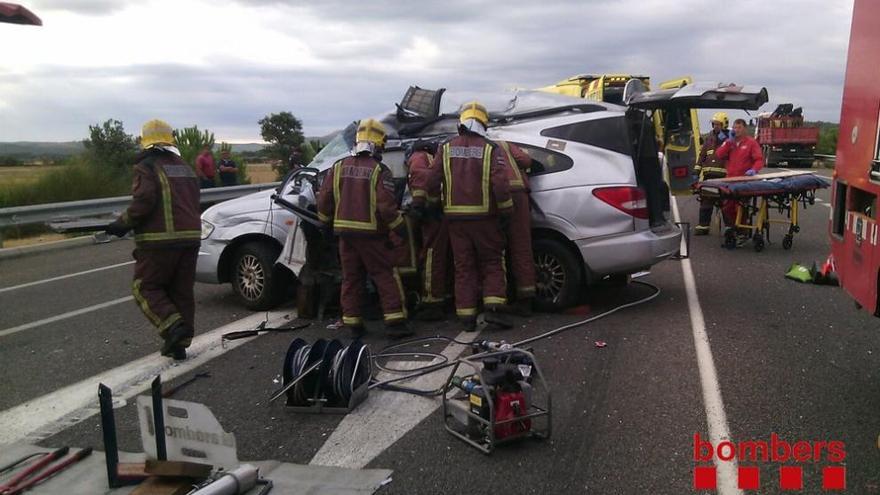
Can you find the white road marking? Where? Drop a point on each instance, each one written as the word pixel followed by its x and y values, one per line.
pixel 64 316
pixel 385 417
pixel 714 405
pixel 62 277
pixel 45 416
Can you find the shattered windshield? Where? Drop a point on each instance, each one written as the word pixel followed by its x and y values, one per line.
pixel 331 152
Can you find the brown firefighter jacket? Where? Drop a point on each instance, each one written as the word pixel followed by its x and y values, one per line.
pixel 357 195
pixel 419 174
pixel 472 171
pixel 708 165
pixel 518 165
pixel 164 210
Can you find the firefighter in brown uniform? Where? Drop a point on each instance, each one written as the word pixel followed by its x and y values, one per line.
pixel 357 197
pixel 165 215
pixel 476 200
pixel 519 232
pixel 710 167
pixel 434 232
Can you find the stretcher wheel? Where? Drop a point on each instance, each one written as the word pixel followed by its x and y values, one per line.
pixel 729 239
pixel 795 228
pixel 758 240
pixel 787 241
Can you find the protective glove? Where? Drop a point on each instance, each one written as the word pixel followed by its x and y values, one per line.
pixel 327 231
pixel 750 172
pixel 117 228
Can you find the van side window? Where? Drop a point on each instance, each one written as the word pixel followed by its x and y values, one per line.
pixel 610 134
pixel 545 161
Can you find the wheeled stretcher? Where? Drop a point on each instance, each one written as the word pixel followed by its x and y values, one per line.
pixel 756 196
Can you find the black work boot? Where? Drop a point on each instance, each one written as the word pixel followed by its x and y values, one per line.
pixel 493 320
pixel 356 331
pixel 524 306
pixel 468 323
pixel 398 330
pixel 430 312
pixel 172 346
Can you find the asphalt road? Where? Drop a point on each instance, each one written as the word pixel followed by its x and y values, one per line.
pixel 795 360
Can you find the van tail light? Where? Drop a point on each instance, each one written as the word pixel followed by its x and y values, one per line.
pixel 628 199
pixel 680 172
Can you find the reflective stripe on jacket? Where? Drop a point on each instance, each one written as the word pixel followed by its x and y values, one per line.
pixel 164 210
pixel 518 165
pixel 357 195
pixel 472 171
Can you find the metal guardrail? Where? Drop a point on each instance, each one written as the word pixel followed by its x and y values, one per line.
pixel 826 157
pixel 27 215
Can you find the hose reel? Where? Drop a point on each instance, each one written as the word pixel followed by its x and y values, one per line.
pixel 325 376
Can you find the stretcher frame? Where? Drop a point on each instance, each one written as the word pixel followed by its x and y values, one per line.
pixel 753 213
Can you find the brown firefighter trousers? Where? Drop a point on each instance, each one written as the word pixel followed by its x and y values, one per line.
pixel 477 247
pixel 163 286
pixel 433 259
pixel 362 255
pixel 519 243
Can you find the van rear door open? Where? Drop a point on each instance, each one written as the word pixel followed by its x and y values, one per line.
pixel 675 105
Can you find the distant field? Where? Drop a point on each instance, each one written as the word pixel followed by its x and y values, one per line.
pixel 24 174
pixel 261 173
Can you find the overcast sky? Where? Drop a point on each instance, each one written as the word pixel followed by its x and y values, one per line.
pixel 224 64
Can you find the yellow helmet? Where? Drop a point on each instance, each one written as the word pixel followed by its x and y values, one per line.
pixel 721 117
pixel 156 132
pixel 474 110
pixel 371 131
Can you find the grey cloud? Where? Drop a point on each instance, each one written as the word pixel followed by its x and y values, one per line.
pixel 796 49
pixel 87 7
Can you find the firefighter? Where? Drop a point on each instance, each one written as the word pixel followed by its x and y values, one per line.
pixel 710 167
pixel 165 215
pixel 434 231
pixel 744 158
pixel 519 232
pixel 357 199
pixel 476 200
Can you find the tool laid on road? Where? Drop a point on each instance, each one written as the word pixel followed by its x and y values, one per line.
pixel 260 328
pixel 325 377
pixel 33 473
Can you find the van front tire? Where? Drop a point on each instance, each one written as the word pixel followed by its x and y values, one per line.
pixel 558 275
pixel 257 282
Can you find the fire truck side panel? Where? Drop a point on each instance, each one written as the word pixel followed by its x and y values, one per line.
pixel 853 227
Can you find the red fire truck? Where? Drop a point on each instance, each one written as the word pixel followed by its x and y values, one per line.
pixel 784 139
pixel 853 226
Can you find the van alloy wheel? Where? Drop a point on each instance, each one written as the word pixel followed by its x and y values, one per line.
pixel 550 277
pixel 252 277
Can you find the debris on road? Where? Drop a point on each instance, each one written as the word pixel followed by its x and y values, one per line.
pixel 600 344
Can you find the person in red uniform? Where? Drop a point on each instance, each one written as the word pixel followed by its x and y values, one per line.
pixel 744 158
pixel 519 232
pixel 357 198
pixel 476 200
pixel 205 168
pixel 434 231
pixel 166 218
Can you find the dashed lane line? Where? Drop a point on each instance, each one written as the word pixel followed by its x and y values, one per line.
pixel 62 277
pixel 64 316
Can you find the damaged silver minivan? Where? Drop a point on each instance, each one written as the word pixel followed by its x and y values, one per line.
pixel 600 207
